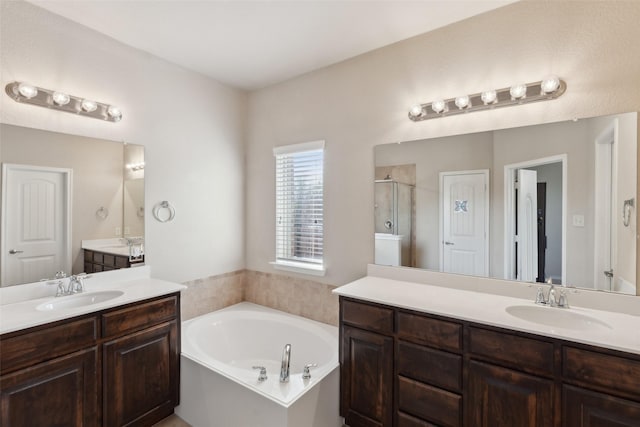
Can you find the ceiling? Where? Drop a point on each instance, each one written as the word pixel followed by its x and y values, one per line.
pixel 253 44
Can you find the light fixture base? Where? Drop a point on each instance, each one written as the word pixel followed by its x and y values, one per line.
pixel 533 93
pixel 44 98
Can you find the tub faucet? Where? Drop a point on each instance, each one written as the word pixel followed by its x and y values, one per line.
pixel 284 367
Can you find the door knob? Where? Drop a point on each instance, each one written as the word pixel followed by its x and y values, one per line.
pixel 13 252
pixel 448 243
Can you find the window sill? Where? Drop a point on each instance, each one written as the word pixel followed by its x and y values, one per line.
pixel 299 267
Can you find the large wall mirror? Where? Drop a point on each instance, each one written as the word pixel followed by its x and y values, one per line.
pixel 547 203
pixel 61 190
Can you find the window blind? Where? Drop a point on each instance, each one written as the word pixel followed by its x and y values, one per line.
pixel 299 203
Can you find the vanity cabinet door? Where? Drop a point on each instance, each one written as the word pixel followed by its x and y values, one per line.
pixel 58 392
pixel 366 363
pixel 501 397
pixel 140 385
pixel 583 408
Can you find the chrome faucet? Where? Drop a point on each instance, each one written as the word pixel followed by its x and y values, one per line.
pixel 76 285
pixel 284 367
pixel 552 300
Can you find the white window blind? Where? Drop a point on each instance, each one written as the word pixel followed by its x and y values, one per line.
pixel 299 204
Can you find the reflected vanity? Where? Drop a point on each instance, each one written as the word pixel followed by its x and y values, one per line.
pixel 69 203
pixel 545 203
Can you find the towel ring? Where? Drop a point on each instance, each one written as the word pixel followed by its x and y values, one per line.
pixel 160 215
pixel 102 213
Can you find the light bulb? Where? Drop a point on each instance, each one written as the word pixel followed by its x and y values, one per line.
pixel 114 112
pixel 416 111
pixel 89 106
pixel 550 84
pixel 489 97
pixel 518 91
pixel 463 102
pixel 60 98
pixel 27 90
pixel 439 106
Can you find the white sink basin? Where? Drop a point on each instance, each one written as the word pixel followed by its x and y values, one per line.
pixel 564 318
pixel 79 300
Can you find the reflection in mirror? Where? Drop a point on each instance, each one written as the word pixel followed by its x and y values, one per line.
pixel 60 191
pixel 552 202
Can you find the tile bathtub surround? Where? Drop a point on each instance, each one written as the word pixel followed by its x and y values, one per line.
pixel 212 293
pixel 302 297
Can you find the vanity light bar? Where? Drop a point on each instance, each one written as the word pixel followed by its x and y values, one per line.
pixel 549 88
pixel 29 94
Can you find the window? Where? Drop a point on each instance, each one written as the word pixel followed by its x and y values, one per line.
pixel 299 207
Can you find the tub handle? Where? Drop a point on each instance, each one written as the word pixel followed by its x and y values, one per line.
pixel 263 373
pixel 306 373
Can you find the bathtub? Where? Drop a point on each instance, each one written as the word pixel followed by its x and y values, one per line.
pixel 219 388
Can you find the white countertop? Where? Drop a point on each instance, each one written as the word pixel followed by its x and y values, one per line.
pixel 17 313
pixel 490 309
pixel 108 246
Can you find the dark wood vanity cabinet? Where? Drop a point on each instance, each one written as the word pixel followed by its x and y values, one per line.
pixel 59 392
pixel 366 363
pixel 447 373
pixel 95 262
pixel 112 368
pixel 501 397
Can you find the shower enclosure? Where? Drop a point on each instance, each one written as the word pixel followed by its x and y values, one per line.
pixel 394 219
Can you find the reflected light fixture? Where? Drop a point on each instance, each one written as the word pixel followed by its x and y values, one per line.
pixel 550 87
pixel 26 93
pixel 135 166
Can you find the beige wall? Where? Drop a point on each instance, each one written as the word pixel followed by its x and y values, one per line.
pixel 97 177
pixel 363 102
pixel 191 126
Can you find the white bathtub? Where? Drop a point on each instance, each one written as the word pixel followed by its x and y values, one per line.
pixel 219 388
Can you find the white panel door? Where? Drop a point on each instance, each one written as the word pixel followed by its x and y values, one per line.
pixel 465 210
pixel 36 233
pixel 527 230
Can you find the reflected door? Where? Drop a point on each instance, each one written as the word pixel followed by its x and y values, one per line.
pixel 464 224
pixel 36 223
pixel 527 225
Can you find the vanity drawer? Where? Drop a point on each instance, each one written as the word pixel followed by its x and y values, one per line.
pixel 522 353
pixel 140 316
pixel 429 403
pixel 43 344
pixel 122 262
pixel 612 372
pixel 365 316
pixel 406 420
pixel 430 366
pixel 109 260
pixel 98 257
pixel 432 332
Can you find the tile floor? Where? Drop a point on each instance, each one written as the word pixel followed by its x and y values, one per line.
pixel 172 421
